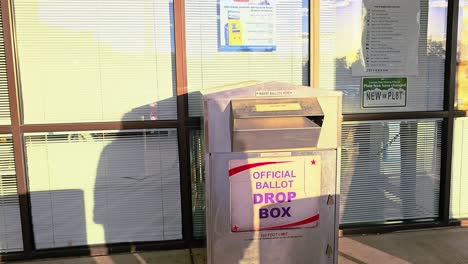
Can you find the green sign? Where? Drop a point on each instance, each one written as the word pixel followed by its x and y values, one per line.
pixel 384 92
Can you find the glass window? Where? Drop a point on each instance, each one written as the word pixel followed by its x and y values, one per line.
pixel 341 39
pixel 104 187
pixel 88 61
pixel 4 98
pixel 459 198
pixel 198 183
pixel 461 98
pixel 390 170
pixel 10 228
pixel 285 59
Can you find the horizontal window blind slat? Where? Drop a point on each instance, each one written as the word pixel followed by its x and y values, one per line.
pixel 4 97
pixel 116 187
pixel 91 61
pixel 10 220
pixel 390 170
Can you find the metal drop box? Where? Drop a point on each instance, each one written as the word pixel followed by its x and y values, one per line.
pixel 272 153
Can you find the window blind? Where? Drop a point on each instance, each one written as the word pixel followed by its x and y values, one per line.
pixel 459 199
pixel 10 220
pixel 4 98
pixel 198 183
pixel 104 187
pixel 96 60
pixel 207 67
pixel 340 40
pixel 390 170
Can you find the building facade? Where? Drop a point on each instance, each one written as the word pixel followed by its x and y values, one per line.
pixel 101 145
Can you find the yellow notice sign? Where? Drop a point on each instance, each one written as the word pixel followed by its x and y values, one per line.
pixel 278 107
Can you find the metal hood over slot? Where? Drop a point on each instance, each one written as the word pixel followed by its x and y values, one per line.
pixel 271 124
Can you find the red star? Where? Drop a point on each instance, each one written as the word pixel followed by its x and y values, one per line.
pixel 313 162
pixel 235 228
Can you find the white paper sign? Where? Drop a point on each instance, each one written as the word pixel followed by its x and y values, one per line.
pixel 274 193
pixel 390 38
pixel 247 25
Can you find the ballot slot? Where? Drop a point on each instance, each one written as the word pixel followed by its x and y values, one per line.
pixel 268 124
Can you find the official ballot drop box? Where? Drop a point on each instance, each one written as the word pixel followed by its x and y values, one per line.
pixel 272 169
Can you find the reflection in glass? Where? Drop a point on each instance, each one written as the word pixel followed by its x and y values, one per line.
pixel 461 97
pixel 102 187
pixel 340 45
pixel 390 171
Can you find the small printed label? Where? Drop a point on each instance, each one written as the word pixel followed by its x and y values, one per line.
pixel 277 107
pixel 275 93
pixel 384 92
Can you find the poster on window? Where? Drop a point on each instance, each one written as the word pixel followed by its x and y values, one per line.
pixel 390 38
pixel 247 25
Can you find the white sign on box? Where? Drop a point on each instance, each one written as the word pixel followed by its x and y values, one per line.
pixel 274 193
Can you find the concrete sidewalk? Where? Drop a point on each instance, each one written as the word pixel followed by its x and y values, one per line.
pixel 435 246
